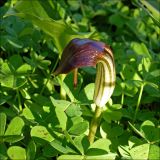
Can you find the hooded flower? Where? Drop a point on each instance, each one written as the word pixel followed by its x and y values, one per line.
pixel 85 52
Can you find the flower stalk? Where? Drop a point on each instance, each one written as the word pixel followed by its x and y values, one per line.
pixel 94 124
pixel 75 77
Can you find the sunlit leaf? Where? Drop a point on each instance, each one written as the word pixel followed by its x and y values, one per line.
pixel 42 133
pixel 16 152
pixel 15 127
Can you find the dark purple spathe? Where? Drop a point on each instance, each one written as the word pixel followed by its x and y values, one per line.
pixel 79 53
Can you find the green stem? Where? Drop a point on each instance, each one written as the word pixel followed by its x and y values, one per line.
pixel 138 102
pixel 44 86
pixel 122 99
pixel 94 124
pixel 19 100
pixel 62 90
pixel 75 74
pixel 82 9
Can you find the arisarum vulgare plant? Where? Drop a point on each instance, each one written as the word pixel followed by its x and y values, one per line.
pixel 85 52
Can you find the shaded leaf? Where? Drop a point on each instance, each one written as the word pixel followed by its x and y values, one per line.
pixel 58 30
pixel 74 110
pixel 58 146
pixel 79 128
pixel 31 150
pixel 82 143
pixel 150 132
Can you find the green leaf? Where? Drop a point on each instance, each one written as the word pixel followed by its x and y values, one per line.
pixel 49 151
pixel 9 78
pixel 15 126
pixel 155 73
pixel 134 141
pixel 27 113
pixel 69 93
pixel 145 151
pixel 150 132
pixel 117 131
pixel 79 128
pixel 81 143
pixel 101 146
pixel 154 152
pixel 124 151
pixel 151 7
pixel 74 110
pixel 41 132
pixel 62 118
pixel 69 83
pixel 3 151
pixel 36 110
pixel 110 156
pixel 16 61
pixel 70 157
pixel 75 5
pixel 16 152
pixel 105 128
pixel 140 49
pixel 86 95
pixel 63 104
pixel 89 91
pixel 12 138
pixel 75 120
pixel 89 70
pixel 145 115
pixel 108 130
pixel 25 94
pixel 110 115
pixel 116 106
pixel 152 89
pixel 14 131
pixel 136 130
pixel 117 20
pixel 4 98
pixel 3 157
pixel 26 7
pixel 69 138
pixel 2 123
pixel 23 69
pixel 130 73
pixel 61 34
pixel 31 150
pixel 146 62
pixel 39 99
pixel 58 146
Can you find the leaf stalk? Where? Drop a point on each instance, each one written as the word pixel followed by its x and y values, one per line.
pixel 138 101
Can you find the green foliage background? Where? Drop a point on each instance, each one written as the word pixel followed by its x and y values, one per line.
pixel 36 123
